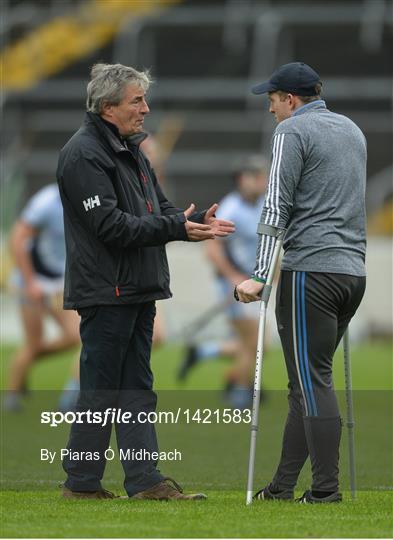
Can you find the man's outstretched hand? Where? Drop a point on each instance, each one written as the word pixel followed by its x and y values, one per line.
pixel 249 291
pixel 212 227
pixel 220 227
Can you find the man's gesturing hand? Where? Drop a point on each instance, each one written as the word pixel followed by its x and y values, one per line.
pixel 220 227
pixel 249 291
pixel 197 232
pixel 211 227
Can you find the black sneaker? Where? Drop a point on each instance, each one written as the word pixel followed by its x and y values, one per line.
pixel 189 361
pixel 308 498
pixel 266 494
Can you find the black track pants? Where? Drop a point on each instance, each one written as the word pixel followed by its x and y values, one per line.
pixel 313 311
pixel 114 373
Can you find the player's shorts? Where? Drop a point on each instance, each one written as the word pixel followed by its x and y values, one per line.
pixel 236 310
pixel 52 288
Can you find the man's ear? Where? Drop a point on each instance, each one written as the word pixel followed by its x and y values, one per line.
pixel 293 101
pixel 106 108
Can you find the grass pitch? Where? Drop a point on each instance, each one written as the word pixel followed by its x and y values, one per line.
pixel 215 462
pixel 223 515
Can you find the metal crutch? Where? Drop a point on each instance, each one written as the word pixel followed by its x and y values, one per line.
pixel 350 419
pixel 267 289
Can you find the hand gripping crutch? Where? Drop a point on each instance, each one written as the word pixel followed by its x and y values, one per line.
pixel 279 234
pixel 350 419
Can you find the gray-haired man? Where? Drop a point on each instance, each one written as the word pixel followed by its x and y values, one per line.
pixel 316 191
pixel 117 222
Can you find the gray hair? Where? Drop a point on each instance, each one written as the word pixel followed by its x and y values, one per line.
pixel 108 82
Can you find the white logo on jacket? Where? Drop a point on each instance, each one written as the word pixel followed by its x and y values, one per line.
pixel 91 202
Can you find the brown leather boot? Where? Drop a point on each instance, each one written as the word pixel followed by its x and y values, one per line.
pixel 167 490
pixel 101 494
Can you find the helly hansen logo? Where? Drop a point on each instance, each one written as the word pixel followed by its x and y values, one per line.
pixel 91 202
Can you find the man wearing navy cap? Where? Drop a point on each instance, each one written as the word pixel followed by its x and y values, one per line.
pixel 317 193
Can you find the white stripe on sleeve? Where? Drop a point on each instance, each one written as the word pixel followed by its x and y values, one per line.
pixel 273 208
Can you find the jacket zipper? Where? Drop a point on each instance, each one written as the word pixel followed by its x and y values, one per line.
pixel 149 205
pixel 148 201
pixel 117 290
pixel 143 182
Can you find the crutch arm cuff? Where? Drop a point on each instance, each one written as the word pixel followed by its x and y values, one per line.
pixel 269 230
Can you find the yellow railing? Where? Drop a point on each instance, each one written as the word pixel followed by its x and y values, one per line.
pixel 381 223
pixel 60 42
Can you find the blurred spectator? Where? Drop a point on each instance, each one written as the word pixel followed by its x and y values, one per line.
pixel 37 245
pixel 152 149
pixel 232 258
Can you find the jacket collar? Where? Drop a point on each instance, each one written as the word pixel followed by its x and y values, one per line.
pixel 319 104
pixel 112 135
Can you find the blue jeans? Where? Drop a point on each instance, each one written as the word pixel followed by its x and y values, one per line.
pixel 114 373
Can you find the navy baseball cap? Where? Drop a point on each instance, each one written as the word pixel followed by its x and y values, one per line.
pixel 296 78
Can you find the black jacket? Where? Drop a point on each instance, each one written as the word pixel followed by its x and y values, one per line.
pixel 116 219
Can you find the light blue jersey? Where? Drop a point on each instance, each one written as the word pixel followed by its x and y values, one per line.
pixel 241 246
pixel 44 212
